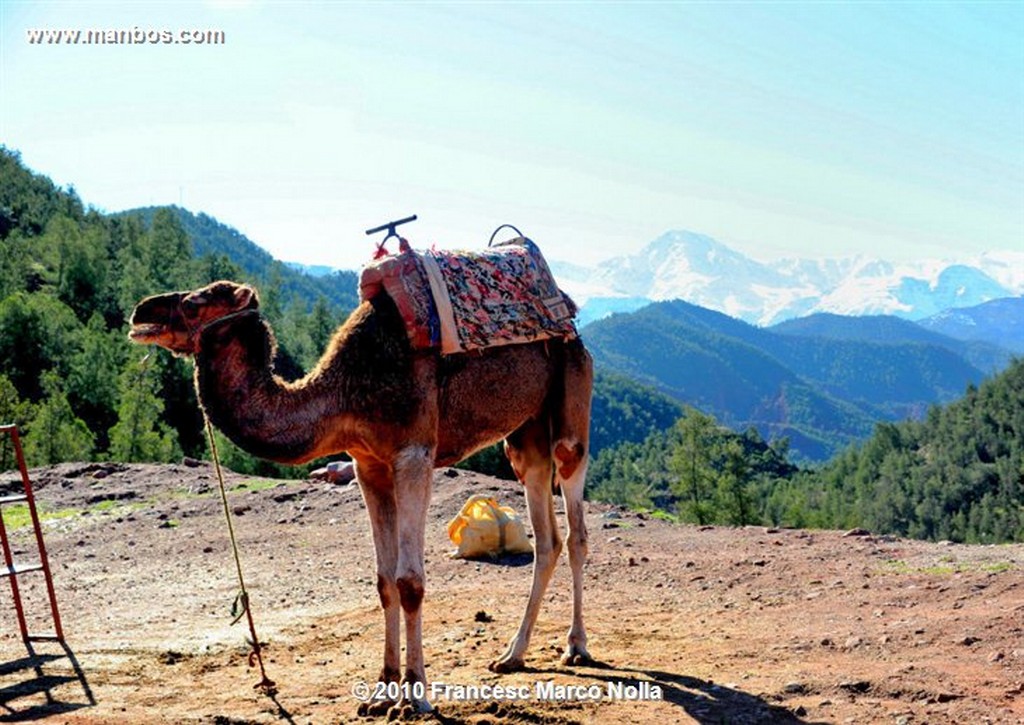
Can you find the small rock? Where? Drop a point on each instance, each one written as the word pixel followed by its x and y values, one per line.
pixel 853 642
pixel 170 657
pixel 611 515
pixel 996 657
pixel 482 616
pixel 794 688
pixel 968 641
pixel 632 561
pixel 191 462
pixel 855 685
pixel 857 532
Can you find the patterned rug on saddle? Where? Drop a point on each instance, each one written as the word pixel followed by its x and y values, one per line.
pixel 468 300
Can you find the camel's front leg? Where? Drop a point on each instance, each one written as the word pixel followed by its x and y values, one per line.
pixel 379 496
pixel 414 470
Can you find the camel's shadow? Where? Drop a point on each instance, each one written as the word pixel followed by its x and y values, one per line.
pixel 41 685
pixel 703 700
pixel 510 560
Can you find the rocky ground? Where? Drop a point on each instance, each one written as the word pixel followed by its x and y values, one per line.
pixel 692 624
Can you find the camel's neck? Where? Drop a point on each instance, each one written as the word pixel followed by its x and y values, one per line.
pixel 255 408
pixel 365 374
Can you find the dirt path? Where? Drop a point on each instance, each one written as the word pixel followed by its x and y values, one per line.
pixel 692 625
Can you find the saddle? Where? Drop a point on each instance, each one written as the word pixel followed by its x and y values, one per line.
pixel 469 300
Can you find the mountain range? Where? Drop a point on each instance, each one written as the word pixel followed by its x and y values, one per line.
pixel 700 270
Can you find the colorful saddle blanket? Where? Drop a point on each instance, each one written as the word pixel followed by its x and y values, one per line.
pixel 461 301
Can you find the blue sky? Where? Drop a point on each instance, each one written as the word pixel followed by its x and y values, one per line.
pixel 778 128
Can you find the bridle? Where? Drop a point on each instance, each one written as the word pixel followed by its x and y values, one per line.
pixel 195 332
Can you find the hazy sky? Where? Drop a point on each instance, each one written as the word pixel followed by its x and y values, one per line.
pixel 814 129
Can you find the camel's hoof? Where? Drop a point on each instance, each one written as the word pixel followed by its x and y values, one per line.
pixel 577 658
pixel 375 709
pixel 409 710
pixel 506 665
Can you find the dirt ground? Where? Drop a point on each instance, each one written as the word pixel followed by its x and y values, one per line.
pixel 707 625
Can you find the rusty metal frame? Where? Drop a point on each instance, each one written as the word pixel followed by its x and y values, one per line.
pixel 11 569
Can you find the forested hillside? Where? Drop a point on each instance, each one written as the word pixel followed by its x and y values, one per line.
pixel 821 392
pixel 70 276
pixel 209 237
pixel 696 470
pixel 956 475
pixel 889 330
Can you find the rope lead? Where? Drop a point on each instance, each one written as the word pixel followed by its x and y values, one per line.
pixel 241 603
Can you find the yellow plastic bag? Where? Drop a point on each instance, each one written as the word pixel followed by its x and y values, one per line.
pixel 483 528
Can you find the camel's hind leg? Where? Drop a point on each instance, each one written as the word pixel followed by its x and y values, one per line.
pixel 571 428
pixel 572 492
pixel 528 449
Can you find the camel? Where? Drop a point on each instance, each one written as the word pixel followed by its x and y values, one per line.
pixel 399 413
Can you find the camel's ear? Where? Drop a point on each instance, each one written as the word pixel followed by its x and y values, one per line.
pixel 246 298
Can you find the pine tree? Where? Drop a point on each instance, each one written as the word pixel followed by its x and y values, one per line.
pixel 93 378
pixel 56 434
pixel 170 252
pixel 735 503
pixel 321 325
pixel 13 411
pixel 691 465
pixel 138 434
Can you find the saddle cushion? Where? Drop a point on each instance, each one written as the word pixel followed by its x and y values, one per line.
pixel 461 301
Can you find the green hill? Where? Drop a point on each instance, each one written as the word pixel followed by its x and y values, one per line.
pixel 958 474
pixel 821 392
pixel 210 237
pixel 70 276
pixel 889 330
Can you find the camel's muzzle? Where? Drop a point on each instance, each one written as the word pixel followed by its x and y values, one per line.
pixel 156 321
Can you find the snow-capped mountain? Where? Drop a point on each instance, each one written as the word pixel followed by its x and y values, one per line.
pixel 700 270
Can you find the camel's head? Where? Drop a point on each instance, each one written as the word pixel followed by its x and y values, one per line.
pixel 174 320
